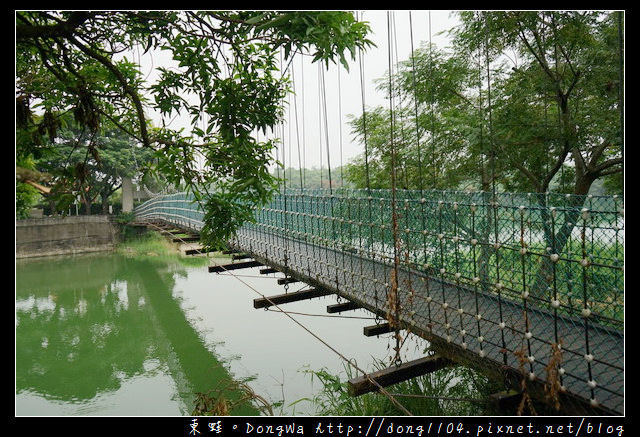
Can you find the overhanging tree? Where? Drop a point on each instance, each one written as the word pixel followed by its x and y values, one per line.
pixel 226 66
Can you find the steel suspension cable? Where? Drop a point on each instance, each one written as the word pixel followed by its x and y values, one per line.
pixel 415 101
pixel 295 113
pixel 393 292
pixel 340 125
pixel 323 103
pixel 364 120
pixel 369 199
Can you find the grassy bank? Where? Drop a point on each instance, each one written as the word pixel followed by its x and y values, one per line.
pixel 148 244
pixel 151 244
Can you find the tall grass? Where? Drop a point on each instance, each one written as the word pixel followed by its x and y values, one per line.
pixel 452 391
pixel 153 245
pixel 147 244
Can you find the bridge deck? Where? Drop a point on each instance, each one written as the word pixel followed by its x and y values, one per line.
pixel 482 329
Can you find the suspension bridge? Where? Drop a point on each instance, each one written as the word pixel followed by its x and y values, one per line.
pixel 528 288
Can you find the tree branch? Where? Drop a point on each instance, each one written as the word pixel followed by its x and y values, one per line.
pixel 25 32
pixel 605 168
pixel 128 89
pixel 597 152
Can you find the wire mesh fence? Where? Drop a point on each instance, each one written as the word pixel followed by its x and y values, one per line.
pixel 562 252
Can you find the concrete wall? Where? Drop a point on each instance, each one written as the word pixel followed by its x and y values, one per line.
pixel 64 235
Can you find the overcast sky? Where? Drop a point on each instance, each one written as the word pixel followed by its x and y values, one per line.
pixel 305 137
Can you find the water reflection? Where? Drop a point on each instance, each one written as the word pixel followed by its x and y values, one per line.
pixel 115 335
pixel 105 335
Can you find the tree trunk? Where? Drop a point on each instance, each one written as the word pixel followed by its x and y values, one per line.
pixel 556 241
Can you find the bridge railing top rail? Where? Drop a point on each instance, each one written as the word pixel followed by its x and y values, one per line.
pixel 178 208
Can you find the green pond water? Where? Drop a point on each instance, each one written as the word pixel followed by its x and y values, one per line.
pixel 116 335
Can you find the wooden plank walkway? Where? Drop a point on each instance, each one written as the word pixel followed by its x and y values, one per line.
pixel 496 334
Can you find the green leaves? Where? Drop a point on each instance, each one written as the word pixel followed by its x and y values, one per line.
pixel 239 88
pixel 328 34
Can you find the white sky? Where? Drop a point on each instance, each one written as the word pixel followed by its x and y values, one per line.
pixel 304 139
pixel 343 89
